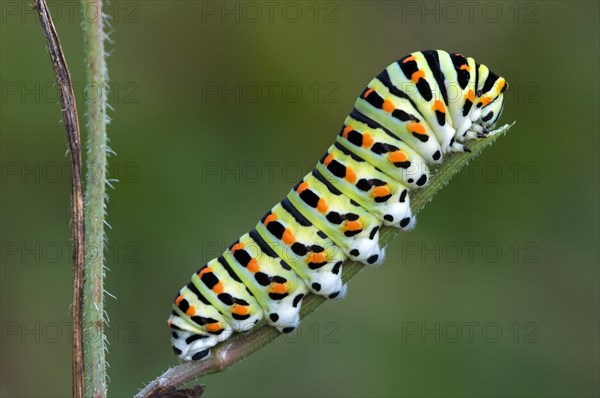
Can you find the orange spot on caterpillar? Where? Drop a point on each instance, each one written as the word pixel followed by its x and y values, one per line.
pixel 415 127
pixel 178 299
pixel 369 91
pixel 381 191
pixel 253 266
pixel 485 100
pixel 271 217
pixel 465 67
pixel 470 95
pixel 439 106
pixel 212 327
pixel 169 323
pixel 397 156
pixel 322 206
pixel 204 270
pixel 218 288
pixel 317 258
pixel 501 83
pixel 353 225
pixel 388 106
pixel 417 75
pixel 240 309
pixel 408 59
pixel 191 311
pixel 237 246
pixel 350 175
pixel 279 288
pixel 302 187
pixel 367 140
pixel 328 159
pixel 347 130
pixel 288 237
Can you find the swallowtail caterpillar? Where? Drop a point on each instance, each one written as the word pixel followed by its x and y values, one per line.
pixel 411 116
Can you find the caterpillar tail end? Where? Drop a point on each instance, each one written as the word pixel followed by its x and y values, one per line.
pixel 189 346
pixel 189 343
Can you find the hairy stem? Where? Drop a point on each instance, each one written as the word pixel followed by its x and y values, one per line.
pixel 71 122
pixel 241 345
pixel 96 88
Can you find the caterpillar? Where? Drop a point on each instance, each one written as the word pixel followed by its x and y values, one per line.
pixel 415 112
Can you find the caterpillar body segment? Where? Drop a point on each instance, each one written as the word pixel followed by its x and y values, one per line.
pixel 384 151
pixel 310 253
pixel 345 222
pixel 221 286
pixel 276 287
pixel 399 116
pixel 427 96
pixel 378 193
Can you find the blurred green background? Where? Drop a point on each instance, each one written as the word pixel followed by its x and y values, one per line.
pixel 219 108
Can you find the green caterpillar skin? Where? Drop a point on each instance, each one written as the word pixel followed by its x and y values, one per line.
pixel 414 113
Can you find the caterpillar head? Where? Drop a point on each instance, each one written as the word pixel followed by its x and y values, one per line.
pixel 490 100
pixel 489 106
pixel 491 113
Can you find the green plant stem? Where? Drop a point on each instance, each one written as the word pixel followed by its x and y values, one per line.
pixel 95 198
pixel 241 345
